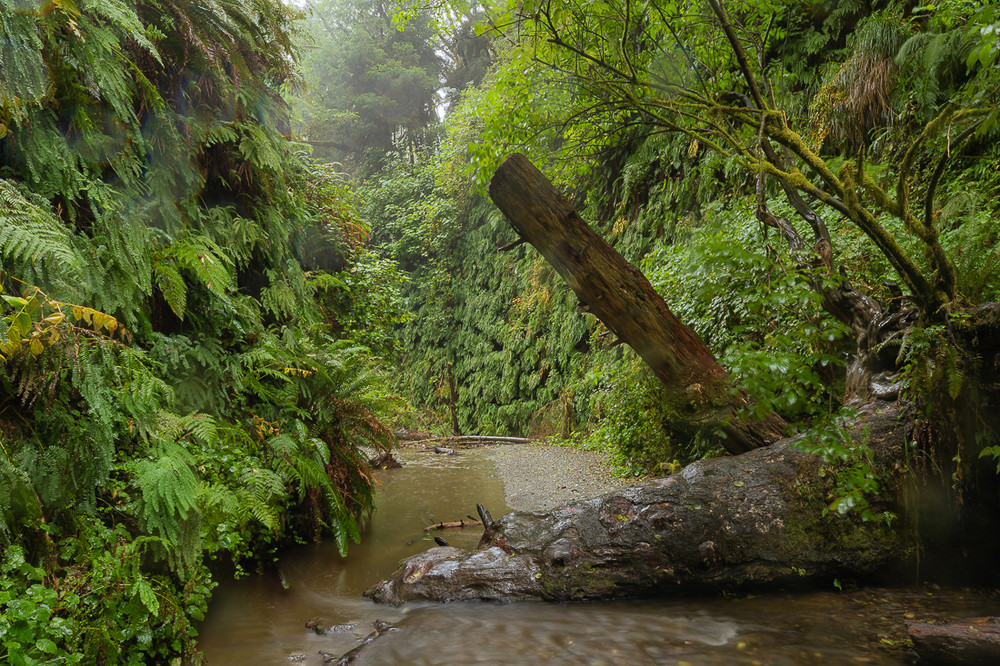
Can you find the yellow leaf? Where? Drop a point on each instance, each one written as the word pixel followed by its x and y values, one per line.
pixel 36 347
pixel 77 312
pixel 54 319
pixel 98 320
pixel 111 324
pixel 88 314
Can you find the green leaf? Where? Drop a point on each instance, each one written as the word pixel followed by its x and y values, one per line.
pixel 146 595
pixel 46 645
pixel 15 301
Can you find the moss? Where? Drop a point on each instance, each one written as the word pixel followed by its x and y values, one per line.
pixel 581 582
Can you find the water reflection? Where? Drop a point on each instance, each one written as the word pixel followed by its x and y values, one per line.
pixel 258 621
pixel 261 620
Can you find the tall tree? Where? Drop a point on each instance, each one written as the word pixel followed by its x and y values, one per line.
pixel 372 83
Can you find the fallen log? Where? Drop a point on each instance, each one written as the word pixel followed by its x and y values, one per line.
pixel 452 524
pixel 720 525
pixel 471 440
pixel 972 641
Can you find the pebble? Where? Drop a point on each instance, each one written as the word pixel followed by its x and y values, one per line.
pixel 540 478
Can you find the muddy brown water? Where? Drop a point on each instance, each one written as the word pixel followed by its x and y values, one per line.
pixel 261 619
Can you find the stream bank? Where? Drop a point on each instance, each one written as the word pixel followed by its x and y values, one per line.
pixel 262 619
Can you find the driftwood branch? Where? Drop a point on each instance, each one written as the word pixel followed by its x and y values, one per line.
pixel 452 524
pixel 471 440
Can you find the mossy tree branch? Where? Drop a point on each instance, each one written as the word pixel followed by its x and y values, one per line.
pixel 745 132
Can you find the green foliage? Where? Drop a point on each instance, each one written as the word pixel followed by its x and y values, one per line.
pixel 370 294
pixel 171 389
pixel 931 367
pixel 627 405
pixel 30 230
pixel 97 605
pixel 758 313
pixel 20 509
pixel 168 503
pixel 371 84
pixel 849 460
pixel 972 237
pixel 493 335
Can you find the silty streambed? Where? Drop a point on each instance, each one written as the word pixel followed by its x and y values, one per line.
pixel 261 619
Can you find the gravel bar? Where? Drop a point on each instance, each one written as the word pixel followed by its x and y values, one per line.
pixel 540 478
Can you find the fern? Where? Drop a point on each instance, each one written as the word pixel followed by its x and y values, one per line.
pixel 32 241
pixel 20 508
pixel 168 504
pixel 261 496
pixel 200 257
pixel 171 284
pixel 23 75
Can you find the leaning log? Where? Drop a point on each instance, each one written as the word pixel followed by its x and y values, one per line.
pixel 721 525
pixel 700 394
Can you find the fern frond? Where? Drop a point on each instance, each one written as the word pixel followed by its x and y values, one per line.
pixel 31 237
pixel 19 505
pixel 23 74
pixel 171 285
pixel 168 505
pixel 261 496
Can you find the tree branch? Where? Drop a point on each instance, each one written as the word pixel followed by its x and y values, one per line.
pixel 741 58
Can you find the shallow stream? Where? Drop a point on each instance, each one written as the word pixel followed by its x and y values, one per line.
pixel 261 619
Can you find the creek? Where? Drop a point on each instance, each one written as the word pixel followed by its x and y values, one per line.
pixel 261 619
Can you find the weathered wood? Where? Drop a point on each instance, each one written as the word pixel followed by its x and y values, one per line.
pixel 452 524
pixel 753 521
pixel 699 389
pixel 484 515
pixel 970 641
pixel 471 440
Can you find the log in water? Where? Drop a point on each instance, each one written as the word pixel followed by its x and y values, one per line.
pixel 257 621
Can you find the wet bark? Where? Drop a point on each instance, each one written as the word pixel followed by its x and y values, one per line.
pixel 699 390
pixel 970 641
pixel 723 524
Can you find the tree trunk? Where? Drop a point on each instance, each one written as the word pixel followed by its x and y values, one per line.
pixel 970 641
pixel 753 521
pixel 453 400
pixel 699 390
